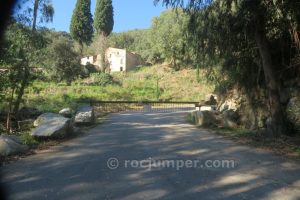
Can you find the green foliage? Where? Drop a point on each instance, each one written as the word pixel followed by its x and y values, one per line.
pixel 135 85
pixel 164 41
pixel 4 84
pixel 104 17
pixel 29 140
pixel 223 34
pixel 168 36
pixel 23 52
pixel 102 79
pixel 255 42
pixel 136 41
pixel 63 62
pixel 36 11
pixel 81 27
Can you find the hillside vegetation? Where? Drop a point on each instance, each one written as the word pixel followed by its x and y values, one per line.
pixel 140 84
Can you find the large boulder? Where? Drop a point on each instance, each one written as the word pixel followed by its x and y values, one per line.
pixel 11 145
pixel 51 125
pixel 84 115
pixel 293 112
pixel 45 117
pixel 229 104
pixel 204 118
pixel 230 119
pixel 66 112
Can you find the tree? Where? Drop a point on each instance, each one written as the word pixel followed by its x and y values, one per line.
pixel 255 33
pixel 168 36
pixel 63 62
pixel 103 24
pixel 81 27
pixel 23 51
pixel 104 17
pixel 40 8
pixel 139 41
pixel 46 9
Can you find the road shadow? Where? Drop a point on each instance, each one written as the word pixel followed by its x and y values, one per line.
pixel 78 169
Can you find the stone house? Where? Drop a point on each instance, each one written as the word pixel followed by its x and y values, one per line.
pixel 118 60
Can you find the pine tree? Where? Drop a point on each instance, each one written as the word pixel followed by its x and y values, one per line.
pixel 81 27
pixel 104 17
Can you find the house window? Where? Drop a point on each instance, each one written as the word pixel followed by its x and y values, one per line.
pixel 121 69
pixel 121 61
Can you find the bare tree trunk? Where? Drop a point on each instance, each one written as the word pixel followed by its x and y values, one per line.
pixel 102 47
pixel 174 63
pixel 22 89
pixel 35 13
pixel 278 122
pixel 8 119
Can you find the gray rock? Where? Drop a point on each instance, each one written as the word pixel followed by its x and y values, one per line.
pixel 230 119
pixel 52 127
pixel 11 145
pixel 66 112
pixel 204 118
pixel 84 115
pixel 293 112
pixel 229 104
pixel 44 117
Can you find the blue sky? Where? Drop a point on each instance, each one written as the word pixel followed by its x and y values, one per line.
pixel 128 14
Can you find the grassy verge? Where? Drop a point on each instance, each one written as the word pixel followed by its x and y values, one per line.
pixel 147 83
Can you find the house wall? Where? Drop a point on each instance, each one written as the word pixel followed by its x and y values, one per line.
pixel 132 60
pixel 86 60
pixel 116 59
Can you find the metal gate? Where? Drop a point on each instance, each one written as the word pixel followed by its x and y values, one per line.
pixel 143 106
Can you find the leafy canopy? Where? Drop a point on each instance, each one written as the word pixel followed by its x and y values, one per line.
pixel 81 27
pixel 104 17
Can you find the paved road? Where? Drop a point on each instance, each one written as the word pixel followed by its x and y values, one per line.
pixel 78 168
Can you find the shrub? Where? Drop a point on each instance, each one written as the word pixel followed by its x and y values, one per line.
pixel 91 68
pixel 102 79
pixel 27 139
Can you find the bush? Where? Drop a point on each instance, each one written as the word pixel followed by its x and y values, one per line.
pixel 63 61
pixel 27 139
pixel 91 68
pixel 102 79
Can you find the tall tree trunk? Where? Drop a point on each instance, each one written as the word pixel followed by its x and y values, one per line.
pixel 8 119
pixel 278 121
pixel 21 90
pixel 102 51
pixel 35 13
